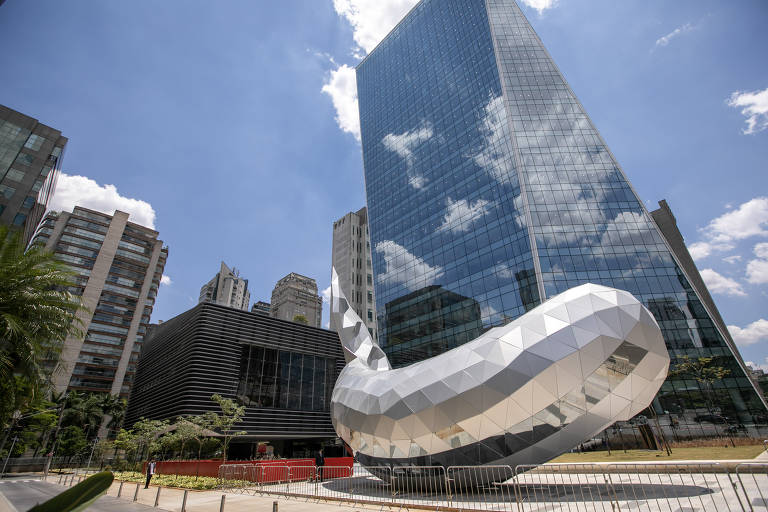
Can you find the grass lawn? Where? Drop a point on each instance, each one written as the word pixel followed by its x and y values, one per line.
pixel 699 453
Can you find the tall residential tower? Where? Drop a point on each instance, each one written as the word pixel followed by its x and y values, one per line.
pixel 296 295
pixel 30 161
pixel 486 178
pixel 351 258
pixel 227 288
pixel 119 265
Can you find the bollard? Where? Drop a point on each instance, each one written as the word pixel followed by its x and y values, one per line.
pixel 184 501
pixel 157 496
pixel 223 499
pixel 60 475
pixel 274 506
pixel 136 494
pixel 120 489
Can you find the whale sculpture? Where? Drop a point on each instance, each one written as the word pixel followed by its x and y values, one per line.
pixel 521 393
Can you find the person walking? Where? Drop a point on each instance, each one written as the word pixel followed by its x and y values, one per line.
pixel 150 472
pixel 320 462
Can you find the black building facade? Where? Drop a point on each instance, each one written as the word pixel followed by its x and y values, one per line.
pixel 283 372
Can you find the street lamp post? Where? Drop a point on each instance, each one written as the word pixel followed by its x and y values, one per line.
pixel 2 473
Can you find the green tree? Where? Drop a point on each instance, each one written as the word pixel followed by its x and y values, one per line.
pixel 147 433
pixel 72 441
pixel 85 411
pixel 704 371
pixel 231 414
pixel 114 411
pixel 37 312
pixel 300 319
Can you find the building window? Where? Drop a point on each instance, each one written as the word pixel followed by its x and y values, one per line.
pixel 25 158
pixel 15 175
pixel 29 202
pixel 34 142
pixel 7 191
pixel 19 219
pixel 370 315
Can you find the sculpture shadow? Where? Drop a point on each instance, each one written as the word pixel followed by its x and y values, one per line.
pixel 373 488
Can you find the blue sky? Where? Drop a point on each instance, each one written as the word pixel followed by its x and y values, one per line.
pixel 230 125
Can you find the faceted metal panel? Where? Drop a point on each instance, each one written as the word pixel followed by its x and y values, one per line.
pixel 521 393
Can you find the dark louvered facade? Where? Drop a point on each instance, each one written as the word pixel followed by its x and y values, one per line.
pixel 282 371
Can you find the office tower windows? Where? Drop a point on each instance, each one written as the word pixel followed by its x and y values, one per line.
pixel 30 161
pixel 486 178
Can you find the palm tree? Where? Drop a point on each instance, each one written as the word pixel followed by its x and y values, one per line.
pixel 37 312
pixel 84 411
pixel 114 411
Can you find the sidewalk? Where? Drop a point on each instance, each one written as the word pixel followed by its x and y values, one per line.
pixel 209 501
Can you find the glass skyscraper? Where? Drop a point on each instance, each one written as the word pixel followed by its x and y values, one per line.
pixel 488 184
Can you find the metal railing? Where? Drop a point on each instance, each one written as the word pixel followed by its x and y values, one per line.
pixel 665 487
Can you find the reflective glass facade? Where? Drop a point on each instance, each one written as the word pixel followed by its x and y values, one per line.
pixel 284 379
pixel 486 178
pixel 30 161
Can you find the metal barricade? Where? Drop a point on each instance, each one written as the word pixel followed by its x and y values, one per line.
pixel 609 487
pixel 753 482
pixel 420 485
pixel 566 485
pixel 686 486
pixel 481 487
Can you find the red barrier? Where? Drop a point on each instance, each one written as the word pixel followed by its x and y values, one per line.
pixel 268 474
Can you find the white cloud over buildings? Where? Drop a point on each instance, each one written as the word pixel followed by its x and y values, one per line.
pixel 74 191
pixel 718 283
pixel 341 86
pixel 753 333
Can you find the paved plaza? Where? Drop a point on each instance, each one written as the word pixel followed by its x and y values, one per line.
pixel 672 487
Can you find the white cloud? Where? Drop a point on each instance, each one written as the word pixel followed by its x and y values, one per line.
pixel 404 268
pixel 166 280
pixel 74 191
pixel 761 250
pixel 755 109
pixel 732 259
pixel 371 20
pixel 700 250
pixel 540 5
pixel 404 144
pixel 342 88
pixel 757 269
pixel 756 366
pixel 718 283
pixel 460 214
pixel 326 293
pixel 664 40
pixel 493 157
pixel 753 333
pixel 749 219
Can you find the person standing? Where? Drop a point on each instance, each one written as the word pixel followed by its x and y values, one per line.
pixel 320 462
pixel 150 472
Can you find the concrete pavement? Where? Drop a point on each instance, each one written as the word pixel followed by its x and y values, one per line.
pixel 20 494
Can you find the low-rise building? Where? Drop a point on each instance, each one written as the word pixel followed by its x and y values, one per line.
pixel 283 372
